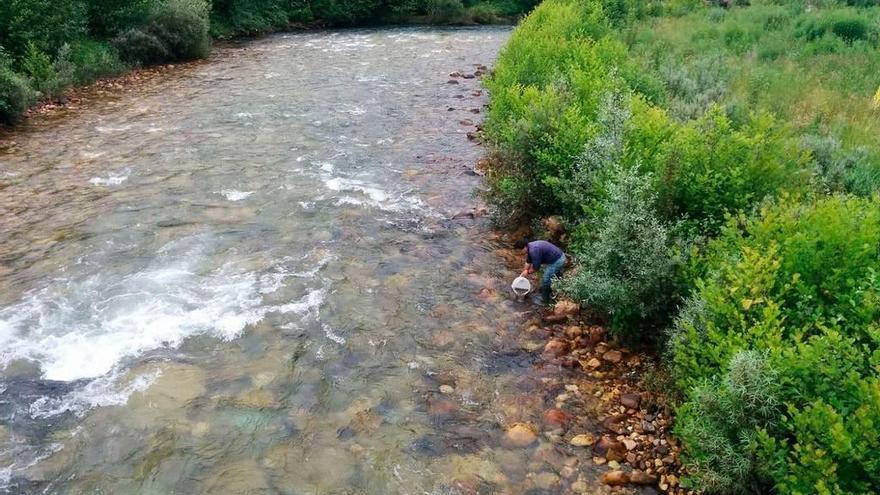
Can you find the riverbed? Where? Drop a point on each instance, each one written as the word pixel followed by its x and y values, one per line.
pixel 247 278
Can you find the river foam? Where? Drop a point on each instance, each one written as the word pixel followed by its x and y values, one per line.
pixel 84 329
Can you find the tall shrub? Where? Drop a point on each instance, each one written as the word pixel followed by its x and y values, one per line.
pixel 798 282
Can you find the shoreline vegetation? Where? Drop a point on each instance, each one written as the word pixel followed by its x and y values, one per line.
pixel 715 167
pixel 48 46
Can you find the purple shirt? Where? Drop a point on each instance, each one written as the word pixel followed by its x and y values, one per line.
pixel 542 253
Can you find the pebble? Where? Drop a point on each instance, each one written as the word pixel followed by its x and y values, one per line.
pixel 612 356
pixel 556 418
pixel 584 440
pixel 446 389
pixel 520 435
pixel 556 348
pixel 579 487
pixel 610 449
pixel 631 401
pixel 594 364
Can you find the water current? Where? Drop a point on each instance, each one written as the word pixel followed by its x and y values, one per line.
pixel 244 278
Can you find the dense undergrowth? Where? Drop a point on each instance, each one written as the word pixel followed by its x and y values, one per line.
pixel 48 45
pixel 717 169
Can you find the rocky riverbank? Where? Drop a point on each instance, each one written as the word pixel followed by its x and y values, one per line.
pixel 610 431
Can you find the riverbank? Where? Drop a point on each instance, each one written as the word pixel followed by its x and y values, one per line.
pixel 46 48
pixel 598 402
pixel 714 170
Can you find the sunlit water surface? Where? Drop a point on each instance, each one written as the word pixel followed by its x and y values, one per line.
pixel 244 279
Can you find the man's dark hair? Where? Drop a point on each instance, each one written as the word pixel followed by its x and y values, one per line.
pixel 521 243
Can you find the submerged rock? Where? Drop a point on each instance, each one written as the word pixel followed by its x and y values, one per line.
pixel 583 440
pixel 520 435
pixel 556 418
pixel 615 478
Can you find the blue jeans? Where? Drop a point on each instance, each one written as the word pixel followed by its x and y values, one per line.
pixel 552 270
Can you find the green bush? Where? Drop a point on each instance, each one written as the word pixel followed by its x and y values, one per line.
pixel 109 18
pixel 15 95
pixel 39 68
pixel 627 271
pixel 847 24
pixel 176 31
pixel 709 168
pixel 799 282
pixel 721 424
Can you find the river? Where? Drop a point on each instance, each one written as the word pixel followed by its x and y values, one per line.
pixel 245 279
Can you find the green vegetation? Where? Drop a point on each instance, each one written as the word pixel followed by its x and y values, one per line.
pixel 48 45
pixel 717 169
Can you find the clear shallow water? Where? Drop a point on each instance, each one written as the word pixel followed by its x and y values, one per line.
pixel 242 279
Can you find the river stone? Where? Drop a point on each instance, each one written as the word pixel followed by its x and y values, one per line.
pixel 556 418
pixel 565 307
pixel 615 478
pixel 446 389
pixel 556 348
pixel 610 449
pixel 584 440
pixel 593 364
pixel 638 477
pixel 631 401
pixel 520 435
pixel 612 356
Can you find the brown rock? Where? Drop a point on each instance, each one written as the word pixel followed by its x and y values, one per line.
pixel 452 81
pixel 597 334
pixel 466 122
pixel 609 448
pixel 573 332
pixel 556 418
pixel 630 444
pixel 566 307
pixel 520 435
pixel 615 478
pixel 642 478
pixel 556 348
pixel 631 401
pixel 612 356
pixel 612 423
pixel 455 74
pixel 593 364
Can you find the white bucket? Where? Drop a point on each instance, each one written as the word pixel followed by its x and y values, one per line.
pixel 521 287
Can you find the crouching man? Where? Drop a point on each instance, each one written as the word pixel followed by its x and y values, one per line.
pixel 538 254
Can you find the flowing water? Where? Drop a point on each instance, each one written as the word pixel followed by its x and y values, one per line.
pixel 244 279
